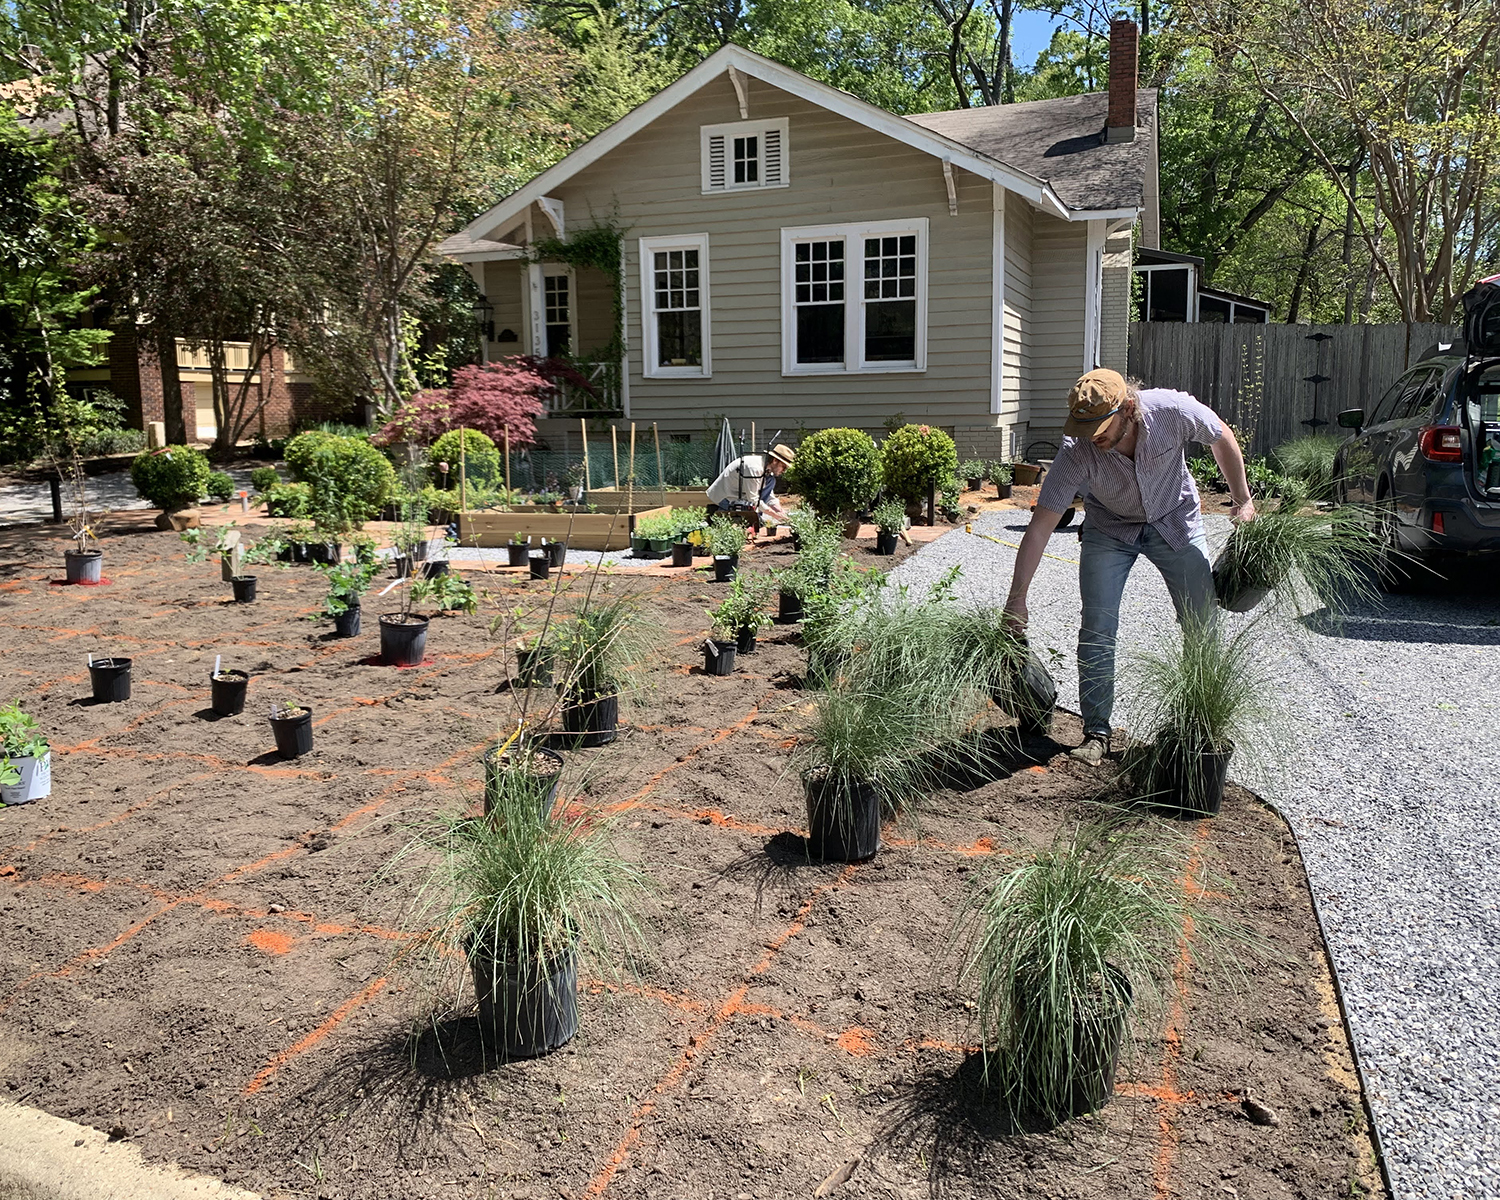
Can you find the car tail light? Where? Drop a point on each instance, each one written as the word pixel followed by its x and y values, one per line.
pixel 1437 522
pixel 1442 443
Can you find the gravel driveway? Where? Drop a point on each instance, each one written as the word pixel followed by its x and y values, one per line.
pixel 1391 777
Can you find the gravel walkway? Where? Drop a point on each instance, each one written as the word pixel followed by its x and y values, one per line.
pixel 1391 776
pixel 25 503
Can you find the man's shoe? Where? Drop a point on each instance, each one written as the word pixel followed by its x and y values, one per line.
pixel 1092 751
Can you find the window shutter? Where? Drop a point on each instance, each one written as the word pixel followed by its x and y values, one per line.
pixel 771 172
pixel 716 161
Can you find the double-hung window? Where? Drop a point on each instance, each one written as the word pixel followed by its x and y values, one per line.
pixel 674 306
pixel 854 298
pixel 559 322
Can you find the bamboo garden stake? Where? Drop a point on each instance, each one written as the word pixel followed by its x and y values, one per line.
pixel 630 495
pixel 661 480
pixel 583 432
pixel 614 441
pixel 507 463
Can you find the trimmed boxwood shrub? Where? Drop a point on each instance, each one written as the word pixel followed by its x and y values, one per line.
pixel 350 479
pixel 836 470
pixel 916 457
pixel 220 485
pixel 263 479
pixel 288 500
pixel 481 458
pixel 172 477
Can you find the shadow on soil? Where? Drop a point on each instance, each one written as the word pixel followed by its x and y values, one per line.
pixel 783 868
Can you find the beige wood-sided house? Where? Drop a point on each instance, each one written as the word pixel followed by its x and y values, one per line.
pixel 797 258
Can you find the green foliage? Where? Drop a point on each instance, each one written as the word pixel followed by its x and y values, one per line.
pixel 603 647
pixel 656 526
pixel 289 500
pixel 915 458
pixel 350 479
pixel 999 472
pixel 263 479
pixel 597 247
pixel 451 592
pixel 1307 560
pixel 890 516
pixel 1206 474
pixel 1310 459
pixel 220 485
pixel 481 459
pixel 172 477
pixel 19 738
pixel 725 537
pixel 971 468
pixel 836 470
pixel 745 605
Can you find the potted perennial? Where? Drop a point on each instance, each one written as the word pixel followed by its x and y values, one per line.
pixel 719 650
pixel 725 541
pixel 598 649
pixel 742 613
pixel 1001 474
pixel 972 473
pixel 25 758
pixel 227 691
pixel 1060 945
pixel 890 522
pixel 516 550
pixel 291 725
pixel 347 582
pixel 403 634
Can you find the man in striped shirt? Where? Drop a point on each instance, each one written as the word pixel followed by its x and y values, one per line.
pixel 1123 450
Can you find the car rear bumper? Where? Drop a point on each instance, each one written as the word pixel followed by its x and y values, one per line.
pixel 1467 528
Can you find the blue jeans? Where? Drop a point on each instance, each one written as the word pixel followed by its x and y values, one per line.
pixel 1104 565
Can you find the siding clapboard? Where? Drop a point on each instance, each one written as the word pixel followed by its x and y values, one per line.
pixel 1058 310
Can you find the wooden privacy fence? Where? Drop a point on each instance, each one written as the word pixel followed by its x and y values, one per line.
pixel 1277 382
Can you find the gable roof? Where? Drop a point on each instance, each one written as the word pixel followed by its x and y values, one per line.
pixel 1061 141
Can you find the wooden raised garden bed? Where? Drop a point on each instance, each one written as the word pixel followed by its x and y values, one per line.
pixel 583 531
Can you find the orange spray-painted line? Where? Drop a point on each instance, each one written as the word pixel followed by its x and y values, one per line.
pixel 650 785
pixel 340 1015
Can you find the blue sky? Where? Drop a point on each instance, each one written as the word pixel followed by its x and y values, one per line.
pixel 1031 34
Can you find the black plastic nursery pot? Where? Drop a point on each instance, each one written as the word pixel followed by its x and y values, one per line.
pixel 325 552
pixel 402 643
pixel 544 765
pixel 592 720
pixel 293 734
pixel 843 818
pixel 682 554
pixel 974 483
pixel 434 567
pixel 516 552
pixel 718 657
pixel 1030 696
pixel 1095 1041
pixel 885 543
pixel 1235 597
pixel 84 566
pixel 724 567
pixel 534 667
pixel 1188 784
pixel 557 552
pixel 744 640
pixel 346 624
pixel 402 563
pixel 790 608
pixel 301 552
pixel 110 678
pixel 540 563
pixel 1002 491
pixel 527 1011
pixel 227 692
pixel 244 588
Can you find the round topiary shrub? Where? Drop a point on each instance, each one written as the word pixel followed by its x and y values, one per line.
pixel 836 470
pixel 480 457
pixel 263 479
pixel 351 480
pixel 171 478
pixel 220 485
pixel 915 458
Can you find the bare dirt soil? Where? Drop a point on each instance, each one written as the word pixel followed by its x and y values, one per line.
pixel 195 957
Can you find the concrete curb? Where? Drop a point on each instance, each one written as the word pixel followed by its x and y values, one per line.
pixel 43 1157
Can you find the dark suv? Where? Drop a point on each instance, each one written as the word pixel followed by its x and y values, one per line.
pixel 1425 463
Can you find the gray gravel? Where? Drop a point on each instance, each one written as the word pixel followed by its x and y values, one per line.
pixel 1390 776
pixel 25 503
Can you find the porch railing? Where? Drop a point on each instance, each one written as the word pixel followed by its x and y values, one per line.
pixel 600 398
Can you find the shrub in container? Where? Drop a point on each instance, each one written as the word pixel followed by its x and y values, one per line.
pixel 1061 947
pixel 263 479
pixel 599 650
pixel 890 522
pixel 1004 664
pixel 1001 475
pixel 220 486
pixel 518 768
pixel 347 582
pixel 533 663
pixel 25 758
pixel 451 593
pixel 171 478
pixel 345 474
pixel 836 471
pixel 720 649
pixel 83 563
pixel 403 634
pixel 476 451
pixel 292 500
pixel 916 459
pixel 291 725
pixel 725 541
pixel 742 613
pixel 655 535
pixel 516 551
pixel 512 903
pixel 971 471
pixel 227 691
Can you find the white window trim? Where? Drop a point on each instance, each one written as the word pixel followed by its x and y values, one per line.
pixel 743 129
pixel 854 299
pixel 1093 275
pixel 563 271
pixel 648 247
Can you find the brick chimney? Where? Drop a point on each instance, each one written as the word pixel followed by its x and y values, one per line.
pixel 1124 47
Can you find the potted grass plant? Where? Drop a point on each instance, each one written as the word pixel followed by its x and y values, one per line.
pixel 512 903
pixel 1016 678
pixel 347 582
pixel 25 758
pixel 890 522
pixel 1060 948
pixel 1305 559
pixel 518 768
pixel 1001 475
pixel 1310 460
pixel 599 649
pixel 725 541
pixel 1197 700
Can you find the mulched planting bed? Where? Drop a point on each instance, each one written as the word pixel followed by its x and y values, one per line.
pixel 195 956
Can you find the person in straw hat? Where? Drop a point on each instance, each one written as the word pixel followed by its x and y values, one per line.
pixel 1123 450
pixel 750 482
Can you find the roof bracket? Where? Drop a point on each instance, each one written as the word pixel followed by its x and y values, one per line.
pixel 952 188
pixel 552 209
pixel 739 90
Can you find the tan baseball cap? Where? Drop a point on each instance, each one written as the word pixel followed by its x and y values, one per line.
pixel 785 453
pixel 1094 400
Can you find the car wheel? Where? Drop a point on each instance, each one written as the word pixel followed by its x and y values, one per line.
pixel 1397 570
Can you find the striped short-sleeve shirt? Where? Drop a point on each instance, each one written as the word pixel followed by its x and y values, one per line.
pixel 1123 495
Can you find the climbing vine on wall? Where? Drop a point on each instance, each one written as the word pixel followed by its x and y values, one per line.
pixel 599 246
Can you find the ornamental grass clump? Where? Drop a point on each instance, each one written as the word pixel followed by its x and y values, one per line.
pixel 1306 560
pixel 1310 460
pixel 1062 945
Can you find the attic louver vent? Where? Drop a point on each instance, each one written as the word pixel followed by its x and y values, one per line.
pixel 744 155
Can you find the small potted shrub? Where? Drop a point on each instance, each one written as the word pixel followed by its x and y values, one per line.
pixel 516 550
pixel 539 560
pixel 227 690
pixel 793 585
pixel 25 758
pixel 719 650
pixel 173 479
pixel 347 582
pixel 1005 664
pixel 655 533
pixel 364 547
pixel 1001 474
pixel 403 634
pixel 263 479
pixel 599 649
pixel 220 486
pixel 971 471
pixel 742 613
pixel 518 767
pixel 573 477
pixel 890 523
pixel 1059 946
pixel 1198 699
pixel 512 902
pixel 916 460
pixel 291 725
pixel 725 541
pixel 83 564
pixel 449 592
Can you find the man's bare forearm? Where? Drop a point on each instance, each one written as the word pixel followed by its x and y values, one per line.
pixel 1029 557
